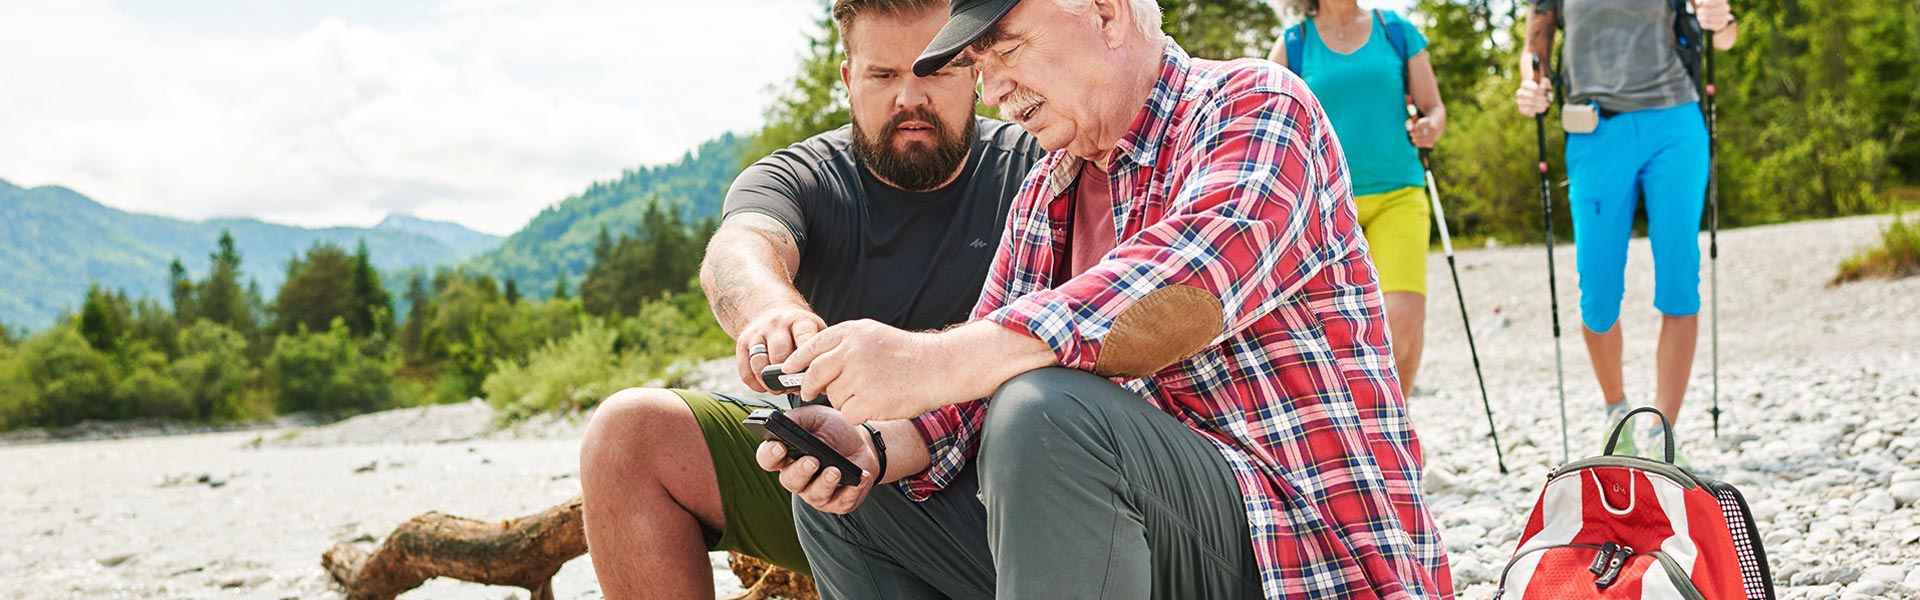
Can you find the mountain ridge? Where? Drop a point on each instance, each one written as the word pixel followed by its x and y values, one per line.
pixel 57 241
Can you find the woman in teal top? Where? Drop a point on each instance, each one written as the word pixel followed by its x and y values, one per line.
pixel 1364 65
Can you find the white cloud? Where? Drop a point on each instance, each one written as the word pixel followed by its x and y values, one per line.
pixel 481 112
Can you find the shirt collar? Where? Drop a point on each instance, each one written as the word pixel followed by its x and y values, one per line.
pixel 1140 145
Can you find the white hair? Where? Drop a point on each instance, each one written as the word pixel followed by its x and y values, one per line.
pixel 1146 14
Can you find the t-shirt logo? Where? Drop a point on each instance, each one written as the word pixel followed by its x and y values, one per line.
pixel 977 243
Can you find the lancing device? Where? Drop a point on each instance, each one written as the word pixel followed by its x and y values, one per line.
pixel 781 382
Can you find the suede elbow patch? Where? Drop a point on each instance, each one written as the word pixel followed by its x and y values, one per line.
pixel 1166 325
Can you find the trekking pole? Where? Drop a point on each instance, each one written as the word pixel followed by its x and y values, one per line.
pixel 1553 288
pixel 1446 243
pixel 1713 233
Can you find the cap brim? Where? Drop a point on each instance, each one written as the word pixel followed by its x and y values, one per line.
pixel 963 27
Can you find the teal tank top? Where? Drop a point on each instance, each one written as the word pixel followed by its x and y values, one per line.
pixel 1365 98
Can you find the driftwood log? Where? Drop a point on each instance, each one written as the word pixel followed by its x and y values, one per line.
pixel 523 552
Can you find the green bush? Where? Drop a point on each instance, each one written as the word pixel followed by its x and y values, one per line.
pixel 575 373
pixel 214 371
pixel 150 392
pixel 677 327
pixel 20 403
pixel 1898 255
pixel 563 375
pixel 75 381
pixel 329 373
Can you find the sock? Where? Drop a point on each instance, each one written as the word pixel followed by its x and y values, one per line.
pixel 1657 439
pixel 1617 411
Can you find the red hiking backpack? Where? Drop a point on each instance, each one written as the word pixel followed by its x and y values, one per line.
pixel 1630 527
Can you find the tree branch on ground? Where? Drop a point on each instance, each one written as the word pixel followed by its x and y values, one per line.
pixel 523 552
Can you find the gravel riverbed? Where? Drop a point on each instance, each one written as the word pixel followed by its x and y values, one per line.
pixel 1820 388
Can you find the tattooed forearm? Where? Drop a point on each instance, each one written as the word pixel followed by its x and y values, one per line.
pixel 747 270
pixel 728 283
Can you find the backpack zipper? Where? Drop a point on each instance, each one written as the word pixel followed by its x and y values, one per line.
pixel 1523 554
pixel 1616 562
pixel 1615 558
pixel 1664 469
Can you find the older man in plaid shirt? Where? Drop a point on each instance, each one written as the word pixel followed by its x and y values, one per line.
pixel 1177 383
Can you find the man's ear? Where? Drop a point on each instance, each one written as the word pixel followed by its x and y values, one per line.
pixel 846 68
pixel 1116 21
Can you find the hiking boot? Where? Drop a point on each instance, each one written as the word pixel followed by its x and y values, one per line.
pixel 1657 448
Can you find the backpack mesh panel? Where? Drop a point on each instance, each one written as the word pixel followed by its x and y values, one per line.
pixel 1755 575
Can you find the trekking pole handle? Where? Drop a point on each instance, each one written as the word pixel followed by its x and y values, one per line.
pixel 1540 121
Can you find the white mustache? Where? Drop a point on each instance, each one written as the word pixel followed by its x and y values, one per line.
pixel 1018 101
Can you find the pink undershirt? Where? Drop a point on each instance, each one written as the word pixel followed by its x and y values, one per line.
pixel 1092 218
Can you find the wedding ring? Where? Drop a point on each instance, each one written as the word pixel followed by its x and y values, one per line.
pixel 757 349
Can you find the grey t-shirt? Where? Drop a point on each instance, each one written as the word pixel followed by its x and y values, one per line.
pixel 1620 53
pixel 913 260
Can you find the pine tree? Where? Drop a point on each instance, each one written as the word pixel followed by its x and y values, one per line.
pixel 513 292
pixel 100 322
pixel 181 288
pixel 413 336
pixel 372 309
pixel 220 297
pixel 320 287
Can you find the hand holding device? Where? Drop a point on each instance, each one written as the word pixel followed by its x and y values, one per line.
pixel 773 425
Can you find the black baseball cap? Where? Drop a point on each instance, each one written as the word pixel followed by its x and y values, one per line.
pixel 969 19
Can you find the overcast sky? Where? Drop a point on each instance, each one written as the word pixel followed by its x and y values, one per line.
pixel 338 112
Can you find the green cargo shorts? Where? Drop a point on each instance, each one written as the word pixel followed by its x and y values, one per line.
pixel 759 512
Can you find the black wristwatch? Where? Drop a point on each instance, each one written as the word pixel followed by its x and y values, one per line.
pixel 879 449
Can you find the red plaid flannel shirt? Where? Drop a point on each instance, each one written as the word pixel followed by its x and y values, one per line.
pixel 1230 180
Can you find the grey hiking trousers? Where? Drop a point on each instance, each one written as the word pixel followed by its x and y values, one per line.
pixel 1081 489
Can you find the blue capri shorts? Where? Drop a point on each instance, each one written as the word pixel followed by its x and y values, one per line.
pixel 1660 154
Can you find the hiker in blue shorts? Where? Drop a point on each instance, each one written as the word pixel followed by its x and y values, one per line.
pixel 1634 130
pixel 1362 64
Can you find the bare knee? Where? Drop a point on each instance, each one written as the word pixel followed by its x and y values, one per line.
pixel 632 426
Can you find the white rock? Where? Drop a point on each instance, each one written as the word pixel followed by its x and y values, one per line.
pixel 1913 579
pixel 1905 493
pixel 1869 441
pixel 1907 475
pixel 1875 464
pixel 1864 589
pixel 1805 578
pixel 1464 537
pixel 1469 571
pixel 1877 503
pixel 1885 574
pixel 1841 575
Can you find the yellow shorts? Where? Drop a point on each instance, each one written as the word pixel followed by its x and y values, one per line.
pixel 1397 225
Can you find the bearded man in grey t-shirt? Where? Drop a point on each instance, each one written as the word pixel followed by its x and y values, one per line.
pixel 894 218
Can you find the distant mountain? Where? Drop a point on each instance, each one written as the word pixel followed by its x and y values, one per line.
pixel 463 241
pixel 560 239
pixel 54 242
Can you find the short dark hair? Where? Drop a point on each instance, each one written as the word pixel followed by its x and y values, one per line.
pixel 845 11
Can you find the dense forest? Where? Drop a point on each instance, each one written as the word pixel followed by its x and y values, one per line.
pixel 330 342
pixel 1818 107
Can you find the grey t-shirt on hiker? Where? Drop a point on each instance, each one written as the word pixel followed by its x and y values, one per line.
pixel 1620 53
pixel 913 260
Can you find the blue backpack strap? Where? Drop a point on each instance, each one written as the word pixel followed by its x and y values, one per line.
pixel 1295 42
pixel 1396 30
pixel 1389 27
